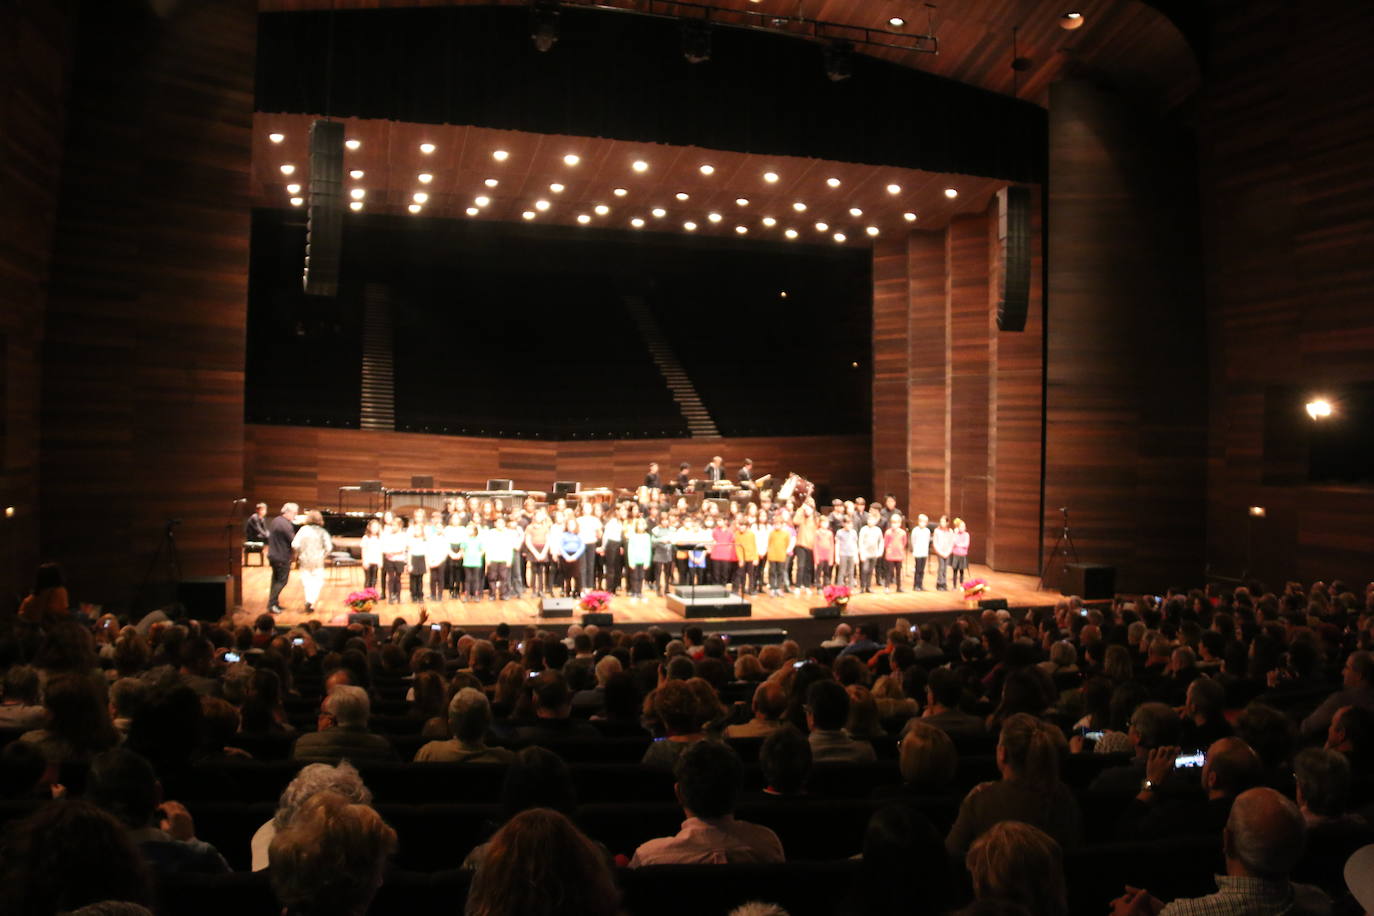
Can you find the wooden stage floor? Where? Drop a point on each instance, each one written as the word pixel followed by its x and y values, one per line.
pixel 1017 589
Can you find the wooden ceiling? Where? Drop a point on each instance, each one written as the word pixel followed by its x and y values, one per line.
pixel 390 158
pixel 1127 41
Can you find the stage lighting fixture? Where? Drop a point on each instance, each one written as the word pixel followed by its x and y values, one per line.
pixel 1257 511
pixel 528 214
pixel 293 189
pixel 355 205
pixel 799 207
pixel 500 155
pixel 770 177
pixel 741 229
pixel 839 61
pixel 352 143
pixel 583 218
pixel 690 226
pixel 619 192
pixel 821 227
pixel 1071 20
pixel 427 148
pixel 414 208
pixel 571 159
pixel 556 188
pixel 855 211
pixel 714 217
pixel 424 177
pixel 742 201
pixel 420 197
pixel 276 138
pixel 639 165
pixel 1319 408
pixel 696 42
pixel 894 188
pixel 909 216
pixel 297 201
pixel 659 212
pixel 472 211
pixel 481 200
pixel 896 22
pixel 682 195
pixel 833 182
pixel 544 24
pixel 769 221
pixel 839 236
pixel 951 193
pixel 357 193
pixel 637 222
pixel 541 205
pixel 491 182
pixel 707 169
pixel 872 230
pixel 601 209
pixel 355 174
pixel 790 233
pixel 288 169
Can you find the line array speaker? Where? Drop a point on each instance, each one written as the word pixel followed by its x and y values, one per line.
pixel 1013 258
pixel 324 216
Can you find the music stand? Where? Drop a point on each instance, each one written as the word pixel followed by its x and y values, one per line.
pixel 1062 543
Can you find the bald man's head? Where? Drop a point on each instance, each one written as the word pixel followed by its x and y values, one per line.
pixel 1232 767
pixel 1264 835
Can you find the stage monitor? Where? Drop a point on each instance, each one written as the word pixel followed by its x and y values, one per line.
pixel 500 483
pixel 564 487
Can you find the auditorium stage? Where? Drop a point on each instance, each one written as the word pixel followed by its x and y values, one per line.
pixel 1018 590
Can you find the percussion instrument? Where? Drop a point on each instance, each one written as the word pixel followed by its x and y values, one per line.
pixel 795 485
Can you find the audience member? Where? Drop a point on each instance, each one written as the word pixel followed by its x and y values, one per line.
pixel 469 721
pixel 343 733
pixel 539 864
pixel 1021 864
pixel 329 859
pixel 944 692
pixel 827 711
pixel 313 779
pixel 785 759
pixel 769 703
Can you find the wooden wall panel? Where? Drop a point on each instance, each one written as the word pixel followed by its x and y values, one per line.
pixel 1286 141
pixel 143 366
pixel 891 351
pixel 1125 388
pixel 309 464
pixel 968 268
pixel 35 53
pixel 928 372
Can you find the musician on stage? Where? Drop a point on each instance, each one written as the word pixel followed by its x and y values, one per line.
pixel 651 481
pixel 684 478
pixel 255 528
pixel 715 471
pixel 280 533
pixel 746 474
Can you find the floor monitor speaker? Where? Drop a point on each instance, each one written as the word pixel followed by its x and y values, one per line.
pixel 1089 582
pixel 557 607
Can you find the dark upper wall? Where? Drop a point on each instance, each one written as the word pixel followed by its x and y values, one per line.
pixel 1286 140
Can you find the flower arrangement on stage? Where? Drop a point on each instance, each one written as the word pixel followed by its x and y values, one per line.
pixel 362 601
pixel 837 595
pixel 975 587
pixel 595 601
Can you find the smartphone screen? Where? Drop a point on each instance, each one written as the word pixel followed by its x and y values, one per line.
pixel 298 641
pixel 435 626
pixel 231 657
pixel 1187 761
pixel 1092 736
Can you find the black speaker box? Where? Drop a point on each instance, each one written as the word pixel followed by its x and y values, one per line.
pixel 205 597
pixel 828 612
pixel 1013 258
pixel 325 208
pixel 993 604
pixel 557 607
pixel 366 618
pixel 1089 582
pixel 598 619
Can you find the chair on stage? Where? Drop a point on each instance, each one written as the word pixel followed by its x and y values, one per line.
pixel 254 549
pixel 341 564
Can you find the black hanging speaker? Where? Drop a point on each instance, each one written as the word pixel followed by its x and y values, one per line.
pixel 1013 258
pixel 325 206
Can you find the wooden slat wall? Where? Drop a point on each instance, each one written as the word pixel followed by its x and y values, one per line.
pixel 143 375
pixel 34 58
pixel 970 375
pixel 1125 379
pixel 891 351
pixel 309 464
pixel 1286 142
pixel 928 371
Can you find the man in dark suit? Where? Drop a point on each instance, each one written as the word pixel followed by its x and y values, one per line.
pixel 943 694
pixel 280 533
pixel 716 469
pixel 255 529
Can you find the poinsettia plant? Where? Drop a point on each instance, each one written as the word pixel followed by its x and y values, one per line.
pixel 595 601
pixel 362 600
pixel 835 594
pixel 975 587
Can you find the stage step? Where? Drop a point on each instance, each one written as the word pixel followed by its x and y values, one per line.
pixel 377 408
pixel 689 403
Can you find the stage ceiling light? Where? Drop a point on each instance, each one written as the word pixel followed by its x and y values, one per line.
pixel 601 209
pixel 276 138
pixel 414 208
pixel 619 192
pixel 742 201
pixel 822 227
pixel 714 217
pixel 770 177
pixel 639 165
pixel 872 230
pixel 1071 20
pixel 682 195
pixel 427 148
pixel 894 188
pixel 420 197
pixel 491 182
pixel 690 226
pixel 472 211
pixel 297 201
pixel 707 169
pixel 1257 511
pixel 855 211
pixel 541 205
pixel 500 155
pixel 357 193
pixel 556 188
pixel 288 169
pixel 833 182
pixel 790 233
pixel 355 205
pixel 839 237
pixel 424 177
pixel 951 193
pixel 481 200
pixel 353 143
pixel 896 22
pixel 769 221
pixel 741 229
pixel 1319 408
pixel 909 216
pixel 659 212
pixel 355 174
pixel 637 222
pixel 293 189
pixel 528 214
pixel 571 159
pixel 799 207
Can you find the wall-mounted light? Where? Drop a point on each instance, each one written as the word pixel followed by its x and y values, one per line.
pixel 1319 408
pixel 1257 511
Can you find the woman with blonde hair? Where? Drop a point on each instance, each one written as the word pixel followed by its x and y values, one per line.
pixel 1018 863
pixel 1028 754
pixel 312 545
pixel 927 759
pixel 893 703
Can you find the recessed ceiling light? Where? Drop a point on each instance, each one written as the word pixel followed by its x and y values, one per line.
pixel 427 148
pixel 414 208
pixel 770 177
pixel 742 201
pixel 357 193
pixel 872 230
pixel 276 138
pixel 541 205
pixel 355 174
pixel 659 212
pixel 833 182
pixel 839 236
pixel 909 216
pixel 293 189
pixel 741 229
pixel 472 211
pixel 556 188
pixel 583 218
pixel 288 169
pixel 896 22
pixel 707 169
pixel 690 226
pixel 682 195
pixel 424 178
pixel 637 222
pixel 491 182
pixel 782 294
pixel 1071 20
pixel 799 207
pixel 601 209
pixel 352 143
pixel 355 205
pixel 894 188
pixel 619 192
pixel 500 155
pixel 420 197
pixel 481 200
pixel 528 214
pixel 297 201
pixel 855 211
pixel 951 193
pixel 790 233
pixel 714 217
pixel 639 165
pixel 571 159
pixel 769 221
pixel 821 227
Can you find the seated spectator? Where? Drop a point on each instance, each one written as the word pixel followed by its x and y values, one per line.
pixel 1020 864
pixel 863 722
pixel 748 669
pixel 865 644
pixel 330 858
pixel 24 772
pixel 1030 790
pixel 827 712
pixel 944 692
pixel 1169 804
pixel 927 760
pixel 708 783
pixel 537 778
pixel 343 733
pixel 1272 735
pixel 20 708
pixel 316 778
pixel 539 863
pixel 1152 725
pixel 124 784
pixel 892 701
pixel 127 696
pixel 1352 734
pixel 1357 689
pixel 48 602
pixel 219 721
pixel 1333 832
pixel 785 759
pixel 1204 715
pixel 469 720
pixel 552 713
pixel 770 702
pixel 592 702
pixel 1262 843
pixel 840 638
pixel 622 709
pixel 1063 660
pixel 66 855
pixel 900 841
pixel 77 721
pixel 678 708
pixel 264 711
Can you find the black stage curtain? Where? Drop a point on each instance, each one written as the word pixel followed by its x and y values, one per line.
pixel 624 77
